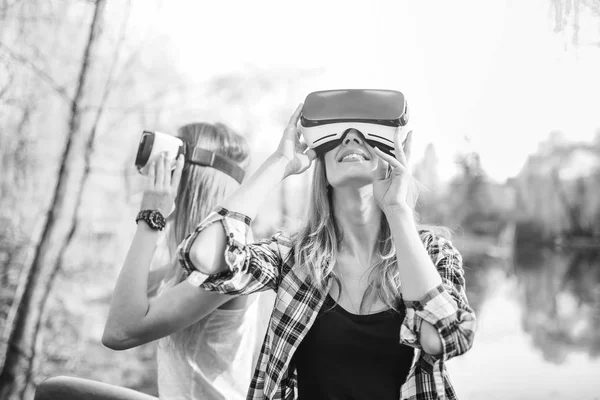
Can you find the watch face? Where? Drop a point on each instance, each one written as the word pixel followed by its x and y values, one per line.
pixel 156 219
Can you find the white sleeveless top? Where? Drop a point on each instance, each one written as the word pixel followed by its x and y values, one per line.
pixel 220 356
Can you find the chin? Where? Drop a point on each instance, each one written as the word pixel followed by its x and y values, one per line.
pixel 353 180
pixel 351 174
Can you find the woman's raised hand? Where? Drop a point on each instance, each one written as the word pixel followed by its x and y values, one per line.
pixel 295 153
pixel 391 191
pixel 161 187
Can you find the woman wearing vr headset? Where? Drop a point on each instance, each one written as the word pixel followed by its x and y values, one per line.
pixel 368 306
pixel 208 341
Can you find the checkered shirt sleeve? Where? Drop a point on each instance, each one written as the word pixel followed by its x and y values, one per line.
pixel 252 267
pixel 446 308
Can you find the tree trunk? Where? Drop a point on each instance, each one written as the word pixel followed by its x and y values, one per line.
pixel 571 210
pixel 16 376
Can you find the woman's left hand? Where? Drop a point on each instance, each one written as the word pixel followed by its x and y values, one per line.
pixel 161 187
pixel 391 190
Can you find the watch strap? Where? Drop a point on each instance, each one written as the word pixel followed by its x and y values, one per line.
pixel 146 216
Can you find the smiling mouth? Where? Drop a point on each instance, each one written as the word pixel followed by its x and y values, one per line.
pixel 353 157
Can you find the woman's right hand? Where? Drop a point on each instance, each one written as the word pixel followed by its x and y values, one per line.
pixel 161 188
pixel 296 155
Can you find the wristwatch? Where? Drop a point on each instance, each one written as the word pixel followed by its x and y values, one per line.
pixel 153 218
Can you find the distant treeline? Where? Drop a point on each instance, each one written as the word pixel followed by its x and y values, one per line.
pixel 555 198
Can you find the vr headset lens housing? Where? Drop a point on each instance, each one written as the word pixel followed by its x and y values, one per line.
pixel 376 114
pixel 152 144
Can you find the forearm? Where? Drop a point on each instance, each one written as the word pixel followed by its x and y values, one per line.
pixel 135 317
pixel 208 248
pixel 130 298
pixel 438 315
pixel 155 278
pixel 417 272
pixel 252 193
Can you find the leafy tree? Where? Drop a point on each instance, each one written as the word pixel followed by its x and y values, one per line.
pixel 568 15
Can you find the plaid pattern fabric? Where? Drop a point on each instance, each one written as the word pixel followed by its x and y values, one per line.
pixel 268 265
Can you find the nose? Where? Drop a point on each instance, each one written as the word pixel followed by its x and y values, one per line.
pixel 353 136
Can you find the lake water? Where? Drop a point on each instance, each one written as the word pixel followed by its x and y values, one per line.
pixel 538 334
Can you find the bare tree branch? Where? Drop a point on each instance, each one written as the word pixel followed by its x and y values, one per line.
pixel 107 89
pixel 117 55
pixel 143 104
pixel 9 81
pixel 39 72
pixel 567 13
pixel 7 6
pixel 57 231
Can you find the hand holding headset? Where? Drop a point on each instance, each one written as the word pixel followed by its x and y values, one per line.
pixel 153 143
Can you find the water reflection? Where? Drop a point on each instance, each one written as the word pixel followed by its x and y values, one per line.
pixel 538 332
pixel 481 274
pixel 560 293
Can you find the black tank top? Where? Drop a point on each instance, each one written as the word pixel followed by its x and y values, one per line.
pixel 345 356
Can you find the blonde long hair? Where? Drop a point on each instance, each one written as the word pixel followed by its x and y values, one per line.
pixel 201 189
pixel 318 242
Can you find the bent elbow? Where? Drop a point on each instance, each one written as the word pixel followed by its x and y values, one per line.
pixel 467 337
pixel 430 340
pixel 207 252
pixel 432 346
pixel 451 341
pixel 115 341
pixel 198 260
pixel 463 333
pixel 458 341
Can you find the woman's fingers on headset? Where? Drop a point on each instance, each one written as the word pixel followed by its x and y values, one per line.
pixel 291 128
pixel 394 163
pixel 302 147
pixel 305 161
pixel 160 171
pixel 167 172
pixel 407 145
pixel 177 173
pixel 295 116
pixel 310 153
pixel 151 182
pixel 399 148
pixel 382 169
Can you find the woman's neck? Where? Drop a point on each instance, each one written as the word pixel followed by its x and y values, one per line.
pixel 358 217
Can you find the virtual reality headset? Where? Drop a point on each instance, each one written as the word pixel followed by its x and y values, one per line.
pixel 152 144
pixel 328 115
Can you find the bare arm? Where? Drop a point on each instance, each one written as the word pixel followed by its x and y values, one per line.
pixel 417 272
pixel 134 318
pixel 439 318
pixel 155 277
pixel 208 248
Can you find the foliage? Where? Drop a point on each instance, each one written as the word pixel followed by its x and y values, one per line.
pixel 132 86
pixel 557 189
pixel 570 15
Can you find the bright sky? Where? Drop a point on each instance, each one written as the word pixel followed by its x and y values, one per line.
pixel 493 70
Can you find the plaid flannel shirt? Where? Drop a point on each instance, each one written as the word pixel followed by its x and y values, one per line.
pixel 267 265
